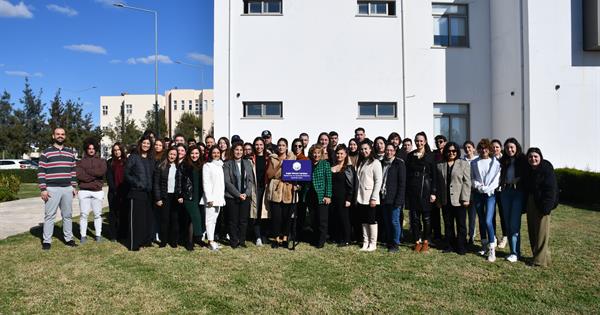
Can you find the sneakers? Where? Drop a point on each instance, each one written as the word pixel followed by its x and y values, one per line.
pixel 71 243
pixel 46 246
pixel 259 242
pixel 83 240
pixel 393 249
pixel 484 246
pixel 503 242
pixel 99 239
pixel 512 258
pixel 492 252
pixel 214 246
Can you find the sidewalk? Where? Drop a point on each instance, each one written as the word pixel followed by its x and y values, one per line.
pixel 21 215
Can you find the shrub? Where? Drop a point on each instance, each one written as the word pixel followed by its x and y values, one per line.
pixel 9 187
pixel 25 176
pixel 579 187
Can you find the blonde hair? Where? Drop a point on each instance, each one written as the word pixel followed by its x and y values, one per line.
pixel 317 147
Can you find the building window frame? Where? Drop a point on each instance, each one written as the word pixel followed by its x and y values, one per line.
pixel 449 21
pixel 263 7
pixel 246 109
pixel 377 110
pixel 369 8
pixel 104 110
pixel 128 109
pixel 451 117
pixel 174 104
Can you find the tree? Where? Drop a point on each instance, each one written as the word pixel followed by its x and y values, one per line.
pixel 77 125
pixel 34 118
pixel 17 134
pixel 128 135
pixel 6 112
pixel 57 112
pixel 189 125
pixel 148 123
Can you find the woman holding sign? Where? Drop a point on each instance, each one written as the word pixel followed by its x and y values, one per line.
pixel 319 193
pixel 280 194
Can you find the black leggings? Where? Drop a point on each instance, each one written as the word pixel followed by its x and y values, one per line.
pixel 368 214
pixel 420 210
pixel 280 219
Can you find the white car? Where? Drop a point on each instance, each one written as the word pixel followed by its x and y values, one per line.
pixel 17 164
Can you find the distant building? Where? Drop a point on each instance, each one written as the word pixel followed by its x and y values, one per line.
pixel 467 69
pixel 199 102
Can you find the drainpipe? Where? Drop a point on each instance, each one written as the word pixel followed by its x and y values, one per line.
pixel 403 70
pixel 229 73
pixel 525 143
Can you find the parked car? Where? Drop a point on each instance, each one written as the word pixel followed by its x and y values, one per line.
pixel 17 164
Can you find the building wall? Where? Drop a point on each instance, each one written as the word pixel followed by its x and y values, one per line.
pixel 177 96
pixel 207 100
pixel 322 69
pixel 563 122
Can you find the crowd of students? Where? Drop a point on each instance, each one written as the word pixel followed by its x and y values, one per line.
pixel 202 194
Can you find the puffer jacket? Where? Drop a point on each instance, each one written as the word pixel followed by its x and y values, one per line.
pixel 184 182
pixel 139 173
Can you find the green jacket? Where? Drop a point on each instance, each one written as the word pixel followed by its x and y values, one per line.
pixel 321 180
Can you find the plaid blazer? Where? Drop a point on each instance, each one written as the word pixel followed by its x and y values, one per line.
pixel 321 180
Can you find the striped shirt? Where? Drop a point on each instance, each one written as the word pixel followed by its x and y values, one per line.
pixel 57 168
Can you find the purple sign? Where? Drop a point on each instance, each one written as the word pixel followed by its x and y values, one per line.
pixel 296 170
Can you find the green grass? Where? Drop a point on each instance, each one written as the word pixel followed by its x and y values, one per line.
pixel 28 190
pixel 106 278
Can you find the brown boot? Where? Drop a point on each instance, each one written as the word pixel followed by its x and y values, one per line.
pixel 418 247
pixel 425 248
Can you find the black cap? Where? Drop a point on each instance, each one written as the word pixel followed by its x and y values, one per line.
pixel 235 138
pixel 266 134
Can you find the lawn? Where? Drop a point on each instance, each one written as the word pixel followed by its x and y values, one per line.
pixel 28 190
pixel 105 278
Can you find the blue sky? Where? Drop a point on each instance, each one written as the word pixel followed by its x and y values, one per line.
pixel 77 44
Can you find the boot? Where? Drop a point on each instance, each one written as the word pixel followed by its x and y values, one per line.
pixel 372 238
pixel 365 229
pixel 425 248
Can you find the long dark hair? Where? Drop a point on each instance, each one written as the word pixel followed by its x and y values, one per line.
pixel 121 148
pixel 235 145
pixel 210 159
pixel 254 145
pixel 138 149
pixel 427 147
pixel 357 147
pixel 505 159
pixel 382 139
pixel 301 145
pixel 342 147
pixel 445 153
pixel 165 162
pixel 188 158
pixel 369 159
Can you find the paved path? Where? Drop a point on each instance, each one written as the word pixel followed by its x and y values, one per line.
pixel 21 215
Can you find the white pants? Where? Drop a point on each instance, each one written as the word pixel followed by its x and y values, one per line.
pixel 212 213
pixel 90 201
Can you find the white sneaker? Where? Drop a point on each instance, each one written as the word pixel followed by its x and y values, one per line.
pixel 484 247
pixel 503 242
pixel 259 242
pixel 492 252
pixel 512 258
pixel 214 246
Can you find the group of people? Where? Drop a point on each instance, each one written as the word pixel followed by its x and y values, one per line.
pixel 176 192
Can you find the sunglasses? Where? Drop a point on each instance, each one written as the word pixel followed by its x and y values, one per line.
pixel 451 151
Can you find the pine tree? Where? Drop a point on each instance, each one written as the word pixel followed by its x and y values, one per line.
pixel 34 119
pixel 128 135
pixel 148 123
pixel 189 125
pixel 57 112
pixel 6 111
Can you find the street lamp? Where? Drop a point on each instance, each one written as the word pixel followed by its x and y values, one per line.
pixel 195 66
pixel 122 5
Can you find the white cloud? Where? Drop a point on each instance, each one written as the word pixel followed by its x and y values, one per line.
pixel 114 61
pixel 149 60
pixel 20 10
pixel 62 10
pixel 18 73
pixel 202 58
pixel 93 49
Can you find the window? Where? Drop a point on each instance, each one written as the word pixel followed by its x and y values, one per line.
pixel 452 121
pixel 450 25
pixel 197 107
pixel 104 110
pixel 377 7
pixel 190 105
pixel 263 109
pixel 128 109
pixel 377 109
pixel 174 105
pixel 262 6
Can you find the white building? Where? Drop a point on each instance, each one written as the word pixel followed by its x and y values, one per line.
pixel 466 69
pixel 198 102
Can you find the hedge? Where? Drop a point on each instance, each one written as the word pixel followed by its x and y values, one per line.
pixel 580 187
pixel 9 187
pixel 25 176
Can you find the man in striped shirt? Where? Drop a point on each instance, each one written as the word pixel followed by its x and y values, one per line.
pixel 56 176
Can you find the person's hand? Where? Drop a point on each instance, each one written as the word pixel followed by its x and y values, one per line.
pixel 45 196
pixel 326 200
pixel 180 200
pixel 347 204
pixel 159 203
pixel 432 198
pixel 209 204
pixel 465 204
pixel 372 203
pixel 242 197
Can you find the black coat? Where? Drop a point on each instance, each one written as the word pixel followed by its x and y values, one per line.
pixel 161 183
pixel 421 174
pixel 184 182
pixel 139 173
pixel 113 192
pixel 521 167
pixel 395 184
pixel 541 183
pixel 349 184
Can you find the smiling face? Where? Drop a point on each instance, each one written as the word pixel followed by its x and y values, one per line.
pixel 238 152
pixel 259 147
pixel 116 152
pixel 497 149
pixel 304 139
pixel 158 146
pixel 172 156
pixel 316 155
pixel 469 149
pixel 210 142
pixel 379 146
pixel 59 136
pixel 340 155
pixel 390 151
pixel 146 144
pixel 297 147
pixel 407 146
pixel 215 154
pixel 511 149
pixel 352 146
pixel 484 152
pixel 420 142
pixel 195 154
pixel 324 140
pixel 281 147
pixel 248 150
pixel 452 152
pixel 365 150
pixel 534 159
pixel 181 152
pixel 90 151
pixel 222 145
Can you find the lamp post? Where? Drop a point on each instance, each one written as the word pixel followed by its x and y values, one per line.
pixel 122 5
pixel 195 66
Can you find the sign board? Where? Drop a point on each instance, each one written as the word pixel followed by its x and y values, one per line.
pixel 296 170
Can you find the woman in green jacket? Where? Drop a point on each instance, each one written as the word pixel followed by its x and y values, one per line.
pixel 319 194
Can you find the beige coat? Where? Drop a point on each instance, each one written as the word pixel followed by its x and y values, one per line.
pixel 278 190
pixel 254 203
pixel 460 183
pixel 370 179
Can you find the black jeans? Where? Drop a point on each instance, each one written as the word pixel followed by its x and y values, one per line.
pixel 319 219
pixel 420 210
pixel 436 224
pixel 342 220
pixel 238 212
pixel 455 222
pixel 169 221
pixel 280 219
